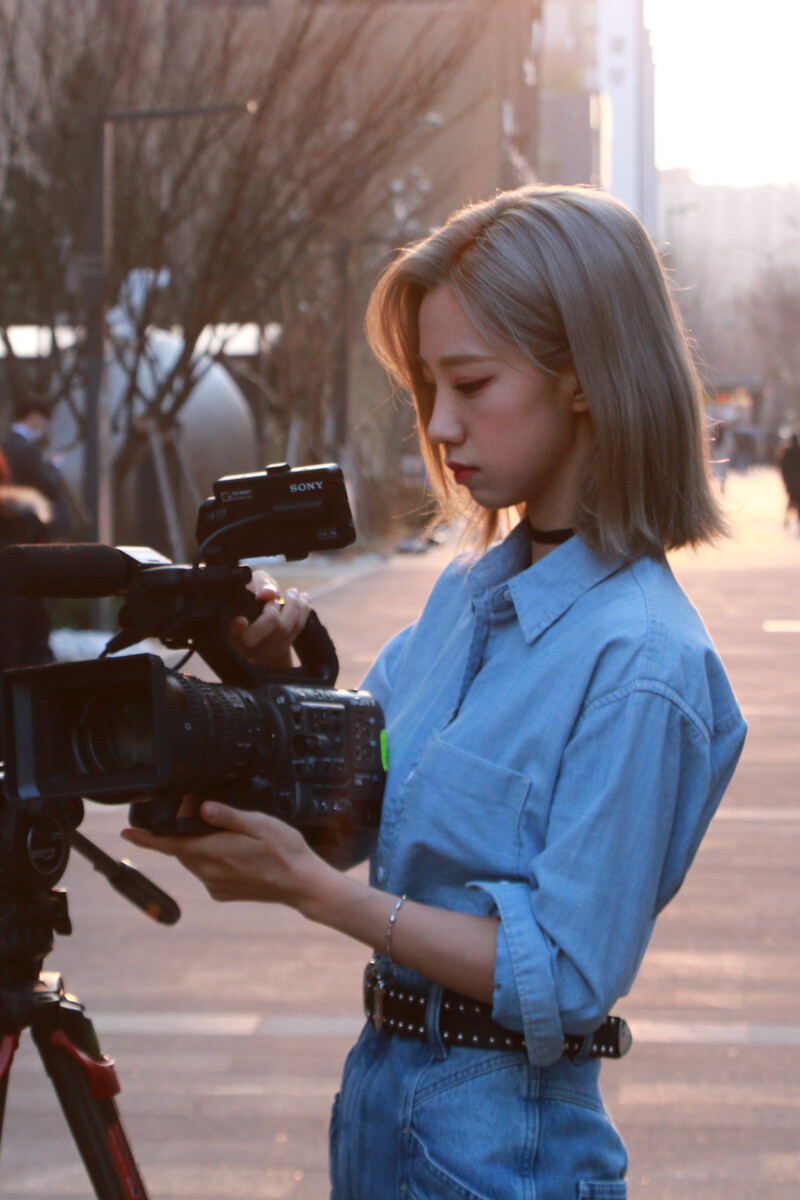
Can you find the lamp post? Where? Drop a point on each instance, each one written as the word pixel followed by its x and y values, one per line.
pixel 99 253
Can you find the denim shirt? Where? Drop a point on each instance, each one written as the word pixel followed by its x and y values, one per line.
pixel 559 737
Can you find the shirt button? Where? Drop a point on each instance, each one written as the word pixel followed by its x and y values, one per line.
pixel 381 874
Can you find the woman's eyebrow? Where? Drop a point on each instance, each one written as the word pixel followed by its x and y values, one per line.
pixel 458 360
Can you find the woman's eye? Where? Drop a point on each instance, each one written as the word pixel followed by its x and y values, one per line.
pixel 470 387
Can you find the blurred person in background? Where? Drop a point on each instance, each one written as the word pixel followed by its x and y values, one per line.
pixel 25 451
pixel 720 454
pixel 789 463
pixel 25 517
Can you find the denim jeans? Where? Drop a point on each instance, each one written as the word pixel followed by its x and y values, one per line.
pixel 415 1123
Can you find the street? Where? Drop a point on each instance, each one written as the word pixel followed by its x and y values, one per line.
pixel 229 1030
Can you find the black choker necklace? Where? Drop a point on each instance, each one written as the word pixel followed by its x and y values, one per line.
pixel 549 537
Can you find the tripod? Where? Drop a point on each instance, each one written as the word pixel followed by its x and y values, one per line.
pixel 33 855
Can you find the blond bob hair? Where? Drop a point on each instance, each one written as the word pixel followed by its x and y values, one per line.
pixel 568 276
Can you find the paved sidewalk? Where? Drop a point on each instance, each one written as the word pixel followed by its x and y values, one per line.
pixel 230 1030
pixel 709 1099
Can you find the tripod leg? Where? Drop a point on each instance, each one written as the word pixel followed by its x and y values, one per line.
pixel 85 1083
pixel 8 1048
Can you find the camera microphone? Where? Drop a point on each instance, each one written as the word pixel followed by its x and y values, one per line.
pixel 65 570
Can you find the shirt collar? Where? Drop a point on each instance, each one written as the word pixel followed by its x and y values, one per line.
pixel 543 592
pixel 30 435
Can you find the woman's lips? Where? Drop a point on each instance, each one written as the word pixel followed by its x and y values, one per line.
pixel 461 472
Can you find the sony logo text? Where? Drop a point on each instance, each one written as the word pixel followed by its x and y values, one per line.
pixel 315 486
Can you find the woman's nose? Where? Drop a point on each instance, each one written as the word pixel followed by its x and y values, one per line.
pixel 445 427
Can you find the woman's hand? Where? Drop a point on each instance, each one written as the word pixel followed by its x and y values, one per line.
pixel 268 639
pixel 251 857
pixel 256 857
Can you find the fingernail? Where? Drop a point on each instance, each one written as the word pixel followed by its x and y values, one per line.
pixel 305 596
pixel 293 593
pixel 210 810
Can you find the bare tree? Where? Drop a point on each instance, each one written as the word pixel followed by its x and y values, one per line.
pixel 286 117
pixel 771 311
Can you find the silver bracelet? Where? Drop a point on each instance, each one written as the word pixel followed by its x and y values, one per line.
pixel 390 926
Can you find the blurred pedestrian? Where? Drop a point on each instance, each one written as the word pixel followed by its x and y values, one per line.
pixel 25 449
pixel 789 463
pixel 720 454
pixel 25 517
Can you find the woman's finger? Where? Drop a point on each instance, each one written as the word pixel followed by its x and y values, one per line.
pixel 261 580
pixel 190 806
pixel 269 637
pixel 265 626
pixel 235 820
pixel 295 613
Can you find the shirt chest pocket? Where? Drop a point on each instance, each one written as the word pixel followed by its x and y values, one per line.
pixel 461 816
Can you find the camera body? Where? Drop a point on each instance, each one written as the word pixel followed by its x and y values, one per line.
pixel 287 743
pixel 113 730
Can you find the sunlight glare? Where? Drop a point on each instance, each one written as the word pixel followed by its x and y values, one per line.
pixel 727 88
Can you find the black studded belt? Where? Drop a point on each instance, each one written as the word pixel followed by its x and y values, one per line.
pixel 394 1008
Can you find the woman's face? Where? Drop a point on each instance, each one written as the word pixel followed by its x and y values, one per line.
pixel 512 434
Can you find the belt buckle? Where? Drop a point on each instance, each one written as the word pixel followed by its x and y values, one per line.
pixel 374 989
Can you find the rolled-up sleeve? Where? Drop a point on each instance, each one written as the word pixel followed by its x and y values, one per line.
pixel 640 779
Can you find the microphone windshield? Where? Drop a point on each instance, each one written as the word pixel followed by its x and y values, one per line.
pixel 82 569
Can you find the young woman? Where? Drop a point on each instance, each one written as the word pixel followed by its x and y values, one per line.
pixel 560 727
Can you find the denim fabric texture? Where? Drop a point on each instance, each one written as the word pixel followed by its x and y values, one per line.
pixel 560 736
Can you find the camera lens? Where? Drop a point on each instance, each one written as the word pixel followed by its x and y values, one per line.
pixel 114 733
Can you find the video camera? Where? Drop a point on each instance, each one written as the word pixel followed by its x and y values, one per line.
pixel 287 742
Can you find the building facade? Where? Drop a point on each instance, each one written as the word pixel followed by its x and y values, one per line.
pixel 721 238
pixel 598 100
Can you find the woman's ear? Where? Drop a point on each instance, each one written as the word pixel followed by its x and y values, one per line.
pixel 573 391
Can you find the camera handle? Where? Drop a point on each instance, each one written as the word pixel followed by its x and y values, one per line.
pixel 319 665
pixel 316 652
pixel 128 881
pixel 187 609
